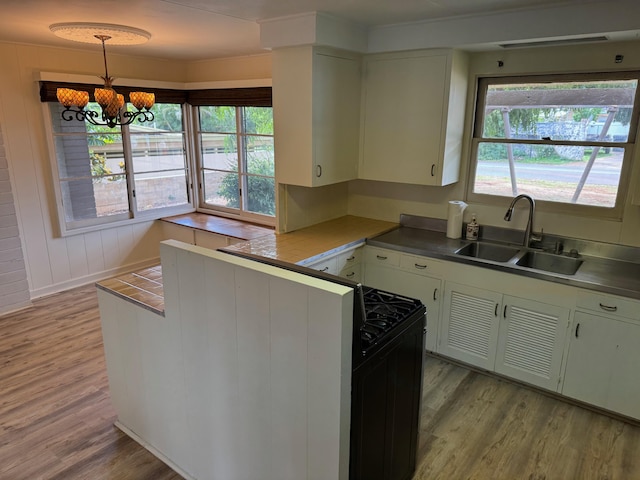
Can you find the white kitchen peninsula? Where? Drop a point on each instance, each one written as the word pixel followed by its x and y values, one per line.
pixel 247 374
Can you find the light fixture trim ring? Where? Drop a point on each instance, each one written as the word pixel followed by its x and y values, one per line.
pixel 89 32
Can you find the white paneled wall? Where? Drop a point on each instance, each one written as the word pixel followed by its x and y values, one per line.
pixel 14 289
pixel 248 374
pixel 53 263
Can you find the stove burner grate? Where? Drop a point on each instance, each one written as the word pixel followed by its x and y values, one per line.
pixel 384 312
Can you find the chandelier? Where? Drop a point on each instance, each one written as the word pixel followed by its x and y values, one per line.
pixel 111 103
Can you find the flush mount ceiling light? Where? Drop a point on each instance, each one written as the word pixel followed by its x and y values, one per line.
pixel 111 103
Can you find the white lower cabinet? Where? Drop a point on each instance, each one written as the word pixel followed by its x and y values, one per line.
pixel 516 337
pixel 531 341
pixel 347 264
pixel 469 326
pixel 410 280
pixel 602 366
pixel 520 327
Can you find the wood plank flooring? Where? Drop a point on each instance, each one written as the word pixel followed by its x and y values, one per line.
pixel 478 427
pixel 56 419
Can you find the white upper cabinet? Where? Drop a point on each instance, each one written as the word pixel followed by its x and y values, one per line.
pixel 316 110
pixel 413 106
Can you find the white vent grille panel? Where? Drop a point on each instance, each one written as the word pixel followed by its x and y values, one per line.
pixel 470 324
pixel 530 341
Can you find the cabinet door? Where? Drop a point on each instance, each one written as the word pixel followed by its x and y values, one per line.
pixel 403 109
pixel 531 341
pixel 602 367
pixel 624 392
pixel 427 289
pixel 336 118
pixel 469 325
pixel 210 240
pixel 177 232
pixel 590 363
pixel 316 115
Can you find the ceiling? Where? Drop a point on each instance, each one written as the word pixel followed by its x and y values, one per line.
pixel 206 29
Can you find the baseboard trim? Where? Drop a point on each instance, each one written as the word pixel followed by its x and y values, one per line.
pixel 94 277
pixel 154 451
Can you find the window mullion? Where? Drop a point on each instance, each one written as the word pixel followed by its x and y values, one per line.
pixel 242 159
pixel 191 137
pixel 128 169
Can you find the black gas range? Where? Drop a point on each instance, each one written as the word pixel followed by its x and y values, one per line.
pixel 386 385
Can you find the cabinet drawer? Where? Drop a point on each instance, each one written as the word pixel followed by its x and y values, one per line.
pixel 352 272
pixel 328 265
pixel 420 265
pixel 349 258
pixel 381 256
pixel 609 304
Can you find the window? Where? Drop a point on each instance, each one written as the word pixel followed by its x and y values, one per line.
pixel 236 161
pixel 220 140
pixel 107 175
pixel 566 140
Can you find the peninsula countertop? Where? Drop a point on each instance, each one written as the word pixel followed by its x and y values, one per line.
pixel 310 242
pixel 145 287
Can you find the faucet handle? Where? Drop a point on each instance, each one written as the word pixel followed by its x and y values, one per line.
pixel 537 237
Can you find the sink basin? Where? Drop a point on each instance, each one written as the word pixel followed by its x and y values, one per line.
pixel 550 263
pixel 488 251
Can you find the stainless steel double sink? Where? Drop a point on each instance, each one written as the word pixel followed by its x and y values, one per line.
pixel 521 257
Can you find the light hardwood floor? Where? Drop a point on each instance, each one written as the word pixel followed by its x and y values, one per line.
pixel 56 419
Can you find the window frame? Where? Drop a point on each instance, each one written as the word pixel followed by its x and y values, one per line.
pixel 229 212
pixel 248 93
pixel 614 213
pixel 133 215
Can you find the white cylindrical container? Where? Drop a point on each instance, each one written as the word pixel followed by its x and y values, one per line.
pixel 454 218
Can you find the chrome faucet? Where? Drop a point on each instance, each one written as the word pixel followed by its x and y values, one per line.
pixel 532 209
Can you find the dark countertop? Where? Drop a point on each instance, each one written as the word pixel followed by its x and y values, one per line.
pixel 596 273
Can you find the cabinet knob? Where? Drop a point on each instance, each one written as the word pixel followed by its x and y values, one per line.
pixel 381 257
pixel 419 267
pixel 318 170
pixel 433 170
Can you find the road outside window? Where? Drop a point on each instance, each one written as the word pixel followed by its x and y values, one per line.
pixel 560 139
